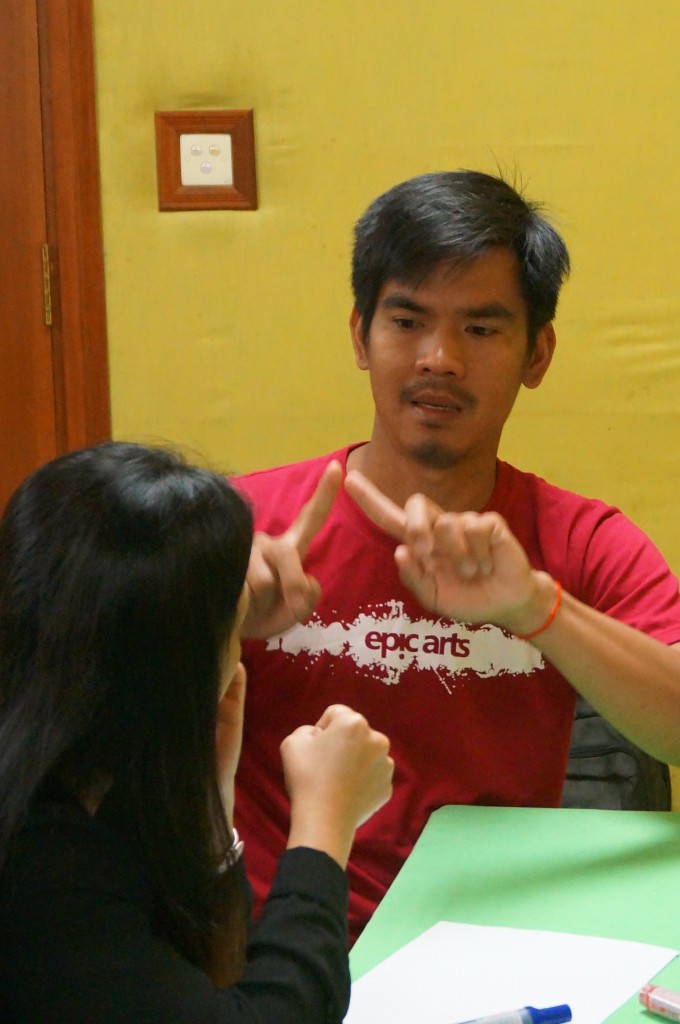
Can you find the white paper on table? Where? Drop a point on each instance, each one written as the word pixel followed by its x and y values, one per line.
pixel 457 972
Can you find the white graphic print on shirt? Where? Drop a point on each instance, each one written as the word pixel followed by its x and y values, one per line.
pixel 388 641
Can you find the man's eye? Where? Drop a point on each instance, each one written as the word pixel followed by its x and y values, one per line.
pixel 405 322
pixel 480 331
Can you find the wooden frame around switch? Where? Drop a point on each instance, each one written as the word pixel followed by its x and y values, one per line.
pixel 172 194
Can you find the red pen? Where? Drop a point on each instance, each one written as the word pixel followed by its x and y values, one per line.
pixel 661 1001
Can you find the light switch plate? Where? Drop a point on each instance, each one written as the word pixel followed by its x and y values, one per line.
pixel 206 160
pixel 193 180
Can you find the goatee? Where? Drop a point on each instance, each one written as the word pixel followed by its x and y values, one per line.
pixel 434 455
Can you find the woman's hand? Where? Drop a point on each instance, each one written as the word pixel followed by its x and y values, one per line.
pixel 338 773
pixel 229 734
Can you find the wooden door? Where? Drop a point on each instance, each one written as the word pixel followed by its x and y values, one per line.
pixel 53 367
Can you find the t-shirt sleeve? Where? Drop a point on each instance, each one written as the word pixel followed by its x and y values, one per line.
pixel 86 952
pixel 623 574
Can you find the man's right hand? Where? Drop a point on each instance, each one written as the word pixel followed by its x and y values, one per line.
pixel 281 593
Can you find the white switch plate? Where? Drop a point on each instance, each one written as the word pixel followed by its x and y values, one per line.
pixel 206 159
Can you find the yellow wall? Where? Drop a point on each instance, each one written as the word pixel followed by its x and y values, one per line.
pixel 228 329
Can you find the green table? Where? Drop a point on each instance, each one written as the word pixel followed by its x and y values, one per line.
pixel 610 873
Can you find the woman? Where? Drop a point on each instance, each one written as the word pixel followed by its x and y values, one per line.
pixel 122 892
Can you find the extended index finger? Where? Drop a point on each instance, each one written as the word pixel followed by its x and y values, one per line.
pixel 377 506
pixel 313 513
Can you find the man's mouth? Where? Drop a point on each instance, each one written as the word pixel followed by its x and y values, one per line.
pixel 437 403
pixel 438 400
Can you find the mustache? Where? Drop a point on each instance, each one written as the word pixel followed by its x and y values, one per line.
pixel 427 390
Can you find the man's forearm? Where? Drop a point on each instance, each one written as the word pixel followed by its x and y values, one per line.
pixel 628 677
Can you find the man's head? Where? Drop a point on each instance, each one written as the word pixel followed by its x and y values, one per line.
pixel 454 217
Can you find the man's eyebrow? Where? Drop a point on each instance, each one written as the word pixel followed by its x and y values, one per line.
pixel 490 311
pixel 399 300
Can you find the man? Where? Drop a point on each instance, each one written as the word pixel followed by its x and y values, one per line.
pixel 469 660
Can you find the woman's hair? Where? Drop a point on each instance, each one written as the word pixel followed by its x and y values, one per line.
pixel 120 572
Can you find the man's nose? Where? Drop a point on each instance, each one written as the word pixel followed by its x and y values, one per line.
pixel 442 352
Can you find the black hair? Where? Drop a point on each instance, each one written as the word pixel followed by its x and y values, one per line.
pixel 454 217
pixel 120 572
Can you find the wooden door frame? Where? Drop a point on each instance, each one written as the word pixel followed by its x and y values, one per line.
pixel 74 222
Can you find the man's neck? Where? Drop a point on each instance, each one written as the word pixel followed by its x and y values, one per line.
pixel 465 487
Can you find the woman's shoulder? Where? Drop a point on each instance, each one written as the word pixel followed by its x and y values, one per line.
pixel 61 846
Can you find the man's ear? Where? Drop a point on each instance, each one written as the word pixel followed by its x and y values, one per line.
pixel 541 356
pixel 357 332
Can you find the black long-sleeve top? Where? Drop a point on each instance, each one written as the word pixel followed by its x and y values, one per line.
pixel 77 944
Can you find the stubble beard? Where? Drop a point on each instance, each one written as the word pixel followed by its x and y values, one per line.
pixel 433 455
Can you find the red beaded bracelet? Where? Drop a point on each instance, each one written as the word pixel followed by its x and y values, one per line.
pixel 553 613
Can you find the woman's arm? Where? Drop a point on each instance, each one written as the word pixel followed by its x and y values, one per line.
pixel 77 940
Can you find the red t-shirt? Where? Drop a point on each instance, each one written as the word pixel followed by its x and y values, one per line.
pixel 474 715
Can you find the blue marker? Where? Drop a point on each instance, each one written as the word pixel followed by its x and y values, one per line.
pixel 527 1015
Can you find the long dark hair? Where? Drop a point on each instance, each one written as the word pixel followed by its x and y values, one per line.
pixel 120 572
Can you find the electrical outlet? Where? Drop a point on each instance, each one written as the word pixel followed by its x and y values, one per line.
pixel 206 159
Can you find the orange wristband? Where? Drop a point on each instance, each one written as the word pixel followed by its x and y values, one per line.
pixel 553 613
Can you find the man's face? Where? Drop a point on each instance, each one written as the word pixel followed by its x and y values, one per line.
pixel 446 360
